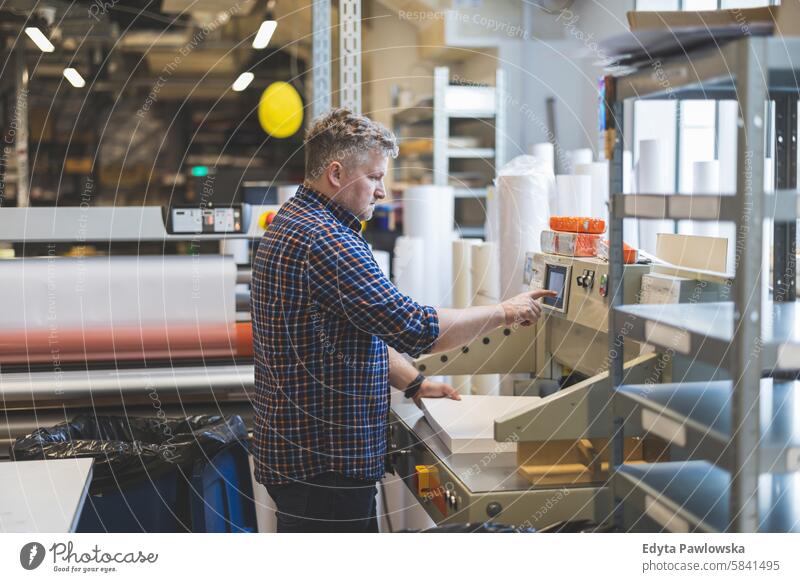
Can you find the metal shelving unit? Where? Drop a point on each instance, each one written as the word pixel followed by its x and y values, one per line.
pixel 747 478
pixel 448 105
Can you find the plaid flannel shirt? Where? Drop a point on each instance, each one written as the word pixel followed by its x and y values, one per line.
pixel 323 313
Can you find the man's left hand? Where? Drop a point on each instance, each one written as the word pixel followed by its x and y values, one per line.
pixel 433 389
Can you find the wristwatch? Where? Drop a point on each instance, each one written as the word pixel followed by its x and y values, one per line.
pixel 414 387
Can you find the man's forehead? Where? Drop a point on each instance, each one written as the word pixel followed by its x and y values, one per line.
pixel 375 161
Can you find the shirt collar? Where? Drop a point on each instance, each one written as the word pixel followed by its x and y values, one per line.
pixel 344 216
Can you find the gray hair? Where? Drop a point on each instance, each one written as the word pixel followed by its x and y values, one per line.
pixel 347 137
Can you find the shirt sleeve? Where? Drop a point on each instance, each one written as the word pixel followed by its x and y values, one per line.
pixel 345 279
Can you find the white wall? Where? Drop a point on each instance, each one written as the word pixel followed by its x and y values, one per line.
pixel 562 64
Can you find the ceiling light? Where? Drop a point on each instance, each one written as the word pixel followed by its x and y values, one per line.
pixel 264 34
pixel 243 81
pixel 38 37
pixel 74 77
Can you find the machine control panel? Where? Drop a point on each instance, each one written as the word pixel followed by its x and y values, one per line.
pixel 581 284
pixel 207 220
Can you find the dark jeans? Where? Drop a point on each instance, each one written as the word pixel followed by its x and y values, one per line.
pixel 328 503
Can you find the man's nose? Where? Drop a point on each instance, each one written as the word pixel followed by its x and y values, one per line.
pixel 380 192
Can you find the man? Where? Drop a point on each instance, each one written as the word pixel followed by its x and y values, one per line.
pixel 329 329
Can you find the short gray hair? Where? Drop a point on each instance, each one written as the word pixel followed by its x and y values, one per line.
pixel 343 136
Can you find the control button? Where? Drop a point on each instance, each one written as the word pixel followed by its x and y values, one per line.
pixel 603 290
pixel 588 279
pixel 493 509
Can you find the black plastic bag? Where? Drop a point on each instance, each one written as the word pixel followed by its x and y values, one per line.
pixel 129 449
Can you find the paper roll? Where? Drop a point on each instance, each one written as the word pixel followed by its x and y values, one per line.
pixel 598 173
pixel 546 153
pixel 486 291
pixel 109 308
pixel 286 192
pixel 579 156
pixel 705 180
pixel 630 230
pixel 428 214
pixel 652 178
pixel 409 267
pixel 485 278
pixel 726 144
pixel 383 258
pixel 486 384
pixel 525 188
pixel 492 224
pixel 462 272
pixel 769 175
pixel 239 249
pixel 574 195
pixel 462 384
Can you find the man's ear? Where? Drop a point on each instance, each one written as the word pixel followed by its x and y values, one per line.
pixel 334 174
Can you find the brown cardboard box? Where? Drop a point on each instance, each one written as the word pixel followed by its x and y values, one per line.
pixel 680 19
pixel 786 18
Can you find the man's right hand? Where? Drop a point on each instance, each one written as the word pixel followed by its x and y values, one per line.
pixel 524 308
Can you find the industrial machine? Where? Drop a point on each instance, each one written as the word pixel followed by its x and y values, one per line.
pixel 559 469
pixel 149 315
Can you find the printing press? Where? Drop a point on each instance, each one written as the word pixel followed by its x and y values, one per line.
pixel 133 327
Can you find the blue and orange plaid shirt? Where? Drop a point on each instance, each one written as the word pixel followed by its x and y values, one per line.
pixel 323 313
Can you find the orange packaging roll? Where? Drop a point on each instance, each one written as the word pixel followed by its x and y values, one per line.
pixel 629 254
pixel 570 244
pixel 580 224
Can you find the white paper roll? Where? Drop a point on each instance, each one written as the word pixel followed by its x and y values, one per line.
pixel 462 384
pixel 525 188
pixel 239 249
pixel 383 258
pixel 428 213
pixel 630 231
pixel 485 274
pixel 409 266
pixel 769 175
pixel 486 291
pixel 92 292
pixel 579 156
pixel 492 224
pixel 286 192
pixel 705 180
pixel 486 384
pixel 727 140
pixel 546 153
pixel 598 173
pixel 462 272
pixel 652 178
pixel 574 195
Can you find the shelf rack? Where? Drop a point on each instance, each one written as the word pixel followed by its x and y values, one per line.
pixel 739 435
pixel 457 102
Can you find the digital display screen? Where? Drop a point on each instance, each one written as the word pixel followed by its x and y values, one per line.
pixel 555 279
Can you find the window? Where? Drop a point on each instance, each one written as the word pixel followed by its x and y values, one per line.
pixel 689 131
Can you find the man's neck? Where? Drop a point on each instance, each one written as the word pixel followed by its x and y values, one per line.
pixel 321 189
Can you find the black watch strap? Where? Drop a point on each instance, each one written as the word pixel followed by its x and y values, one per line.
pixel 414 387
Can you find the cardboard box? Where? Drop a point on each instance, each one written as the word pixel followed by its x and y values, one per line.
pixel 666 289
pixel 689 18
pixel 785 17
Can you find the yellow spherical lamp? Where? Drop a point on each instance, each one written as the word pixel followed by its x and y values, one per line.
pixel 280 110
